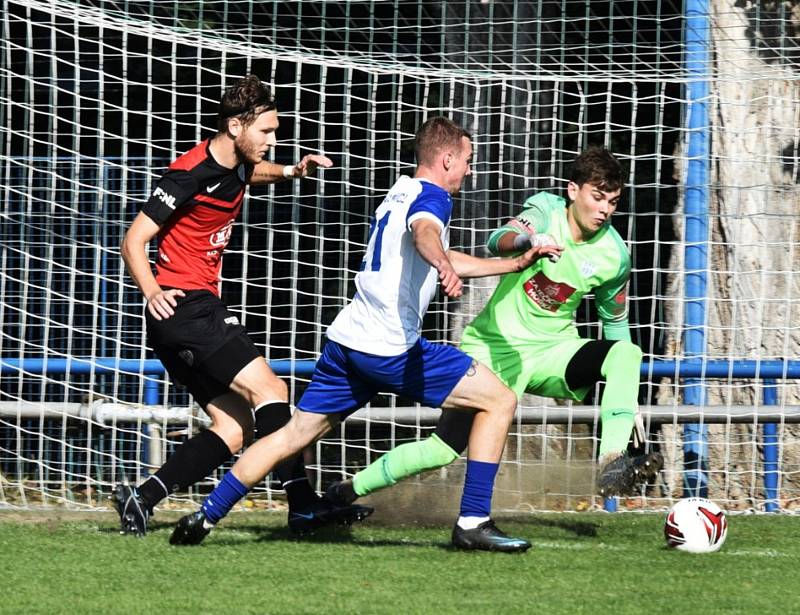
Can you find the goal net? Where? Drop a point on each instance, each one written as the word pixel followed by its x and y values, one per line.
pixel 97 97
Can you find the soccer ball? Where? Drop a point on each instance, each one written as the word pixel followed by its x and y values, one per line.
pixel 696 525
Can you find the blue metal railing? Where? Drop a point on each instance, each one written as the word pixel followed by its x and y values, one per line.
pixel 768 370
pixel 781 369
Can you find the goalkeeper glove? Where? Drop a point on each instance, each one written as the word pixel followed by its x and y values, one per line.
pixel 523 242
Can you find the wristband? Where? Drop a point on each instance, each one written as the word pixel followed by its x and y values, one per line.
pixel 288 171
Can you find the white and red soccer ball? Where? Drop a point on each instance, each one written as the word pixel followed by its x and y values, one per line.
pixel 696 525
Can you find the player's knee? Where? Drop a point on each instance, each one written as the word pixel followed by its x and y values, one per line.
pixel 305 428
pixel 274 389
pixel 232 435
pixel 232 421
pixel 508 401
pixel 282 389
pixel 256 383
pixel 503 404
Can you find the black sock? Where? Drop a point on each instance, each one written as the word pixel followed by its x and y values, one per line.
pixel 192 461
pixel 291 473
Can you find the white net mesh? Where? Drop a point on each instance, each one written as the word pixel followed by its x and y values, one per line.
pixel 98 97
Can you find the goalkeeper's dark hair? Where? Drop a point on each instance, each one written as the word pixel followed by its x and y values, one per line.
pixel 599 167
pixel 436 134
pixel 246 99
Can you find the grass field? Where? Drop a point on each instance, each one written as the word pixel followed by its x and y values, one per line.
pixel 63 562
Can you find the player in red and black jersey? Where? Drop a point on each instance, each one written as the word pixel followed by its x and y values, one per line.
pixel 202 345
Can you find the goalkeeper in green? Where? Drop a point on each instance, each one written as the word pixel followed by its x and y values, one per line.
pixel 527 336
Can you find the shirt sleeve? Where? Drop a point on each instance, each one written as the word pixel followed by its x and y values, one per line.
pixel 535 218
pixel 612 304
pixel 174 190
pixel 431 206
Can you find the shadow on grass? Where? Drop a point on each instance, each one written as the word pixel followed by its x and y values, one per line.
pixel 323 536
pixel 343 535
pixel 152 526
pixel 579 528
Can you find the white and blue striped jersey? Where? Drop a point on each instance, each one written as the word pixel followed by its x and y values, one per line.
pixel 395 284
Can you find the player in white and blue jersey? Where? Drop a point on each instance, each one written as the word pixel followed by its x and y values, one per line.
pixel 374 345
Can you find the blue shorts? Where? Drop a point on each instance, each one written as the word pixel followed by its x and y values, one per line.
pixel 344 380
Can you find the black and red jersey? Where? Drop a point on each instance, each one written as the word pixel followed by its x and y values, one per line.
pixel 196 203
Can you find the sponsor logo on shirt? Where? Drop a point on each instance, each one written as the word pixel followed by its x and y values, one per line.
pixel 231 320
pixel 164 197
pixel 211 189
pixel 588 269
pixel 397 197
pixel 546 293
pixel 220 238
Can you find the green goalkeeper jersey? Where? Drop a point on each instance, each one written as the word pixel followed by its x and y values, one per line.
pixel 538 304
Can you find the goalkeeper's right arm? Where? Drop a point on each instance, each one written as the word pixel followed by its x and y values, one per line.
pixel 528 229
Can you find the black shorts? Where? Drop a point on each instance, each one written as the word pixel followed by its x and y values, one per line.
pixel 202 345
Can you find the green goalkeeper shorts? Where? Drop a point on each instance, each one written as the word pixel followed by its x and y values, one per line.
pixel 538 368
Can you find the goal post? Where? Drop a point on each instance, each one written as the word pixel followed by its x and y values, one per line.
pixel 97 97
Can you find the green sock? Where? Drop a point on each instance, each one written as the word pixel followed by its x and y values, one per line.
pixel 403 461
pixel 617 407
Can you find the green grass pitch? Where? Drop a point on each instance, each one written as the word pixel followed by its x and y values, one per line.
pixel 61 562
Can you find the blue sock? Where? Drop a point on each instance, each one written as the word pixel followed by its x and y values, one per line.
pixel 225 495
pixel 478 487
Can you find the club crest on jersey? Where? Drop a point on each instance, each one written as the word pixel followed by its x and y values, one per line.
pixel 220 238
pixel 546 293
pixel 588 269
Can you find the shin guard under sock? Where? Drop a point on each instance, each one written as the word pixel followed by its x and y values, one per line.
pixel 618 405
pixel 191 462
pixel 478 488
pixel 403 461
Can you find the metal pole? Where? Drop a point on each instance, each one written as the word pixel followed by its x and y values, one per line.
pixel 695 447
pixel 770 433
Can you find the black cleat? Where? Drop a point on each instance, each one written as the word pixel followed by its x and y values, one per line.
pixel 341 493
pixel 624 475
pixel 191 530
pixel 487 537
pixel 323 513
pixel 133 513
